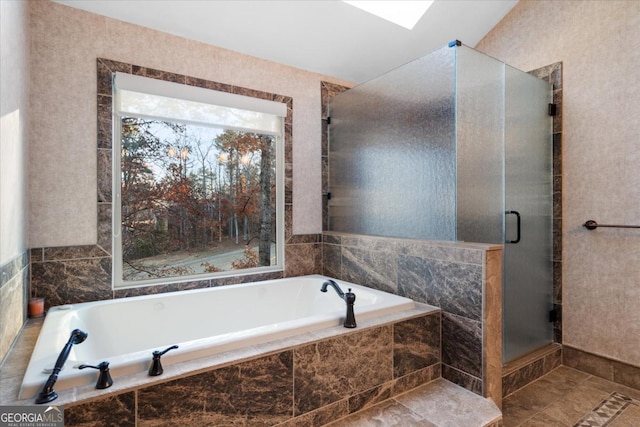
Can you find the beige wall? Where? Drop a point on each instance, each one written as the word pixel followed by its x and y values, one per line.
pixel 14 77
pixel 599 44
pixel 66 43
pixel 14 102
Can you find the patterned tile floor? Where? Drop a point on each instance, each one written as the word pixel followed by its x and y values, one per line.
pixel 566 397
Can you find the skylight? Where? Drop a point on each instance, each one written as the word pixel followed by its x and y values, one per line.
pixel 403 13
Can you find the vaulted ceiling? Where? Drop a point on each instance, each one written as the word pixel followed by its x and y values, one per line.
pixel 325 36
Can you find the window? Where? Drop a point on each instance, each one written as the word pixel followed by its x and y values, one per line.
pixel 198 182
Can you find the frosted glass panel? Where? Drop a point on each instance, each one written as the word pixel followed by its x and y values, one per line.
pixel 480 117
pixel 528 281
pixel 440 149
pixel 392 153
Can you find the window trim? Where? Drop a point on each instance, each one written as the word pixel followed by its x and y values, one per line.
pixel 232 100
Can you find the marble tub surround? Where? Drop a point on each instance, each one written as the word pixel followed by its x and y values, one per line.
pixel 314 378
pixel 14 294
pixel 464 279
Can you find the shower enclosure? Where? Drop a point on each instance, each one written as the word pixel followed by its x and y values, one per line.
pixel 454 146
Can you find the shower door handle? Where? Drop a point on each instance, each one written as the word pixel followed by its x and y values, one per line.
pixel 517 214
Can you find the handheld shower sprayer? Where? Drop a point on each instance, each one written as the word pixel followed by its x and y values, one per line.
pixel 48 393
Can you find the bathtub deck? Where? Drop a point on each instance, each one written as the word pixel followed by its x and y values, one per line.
pixel 439 403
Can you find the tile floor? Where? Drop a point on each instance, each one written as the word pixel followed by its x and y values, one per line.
pixel 439 403
pixel 566 397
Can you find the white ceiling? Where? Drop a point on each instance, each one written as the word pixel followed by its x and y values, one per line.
pixel 325 36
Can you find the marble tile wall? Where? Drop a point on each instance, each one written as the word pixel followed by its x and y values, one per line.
pixel 553 74
pixel 14 294
pixel 464 280
pixel 310 385
pixel 83 273
pixel 327 91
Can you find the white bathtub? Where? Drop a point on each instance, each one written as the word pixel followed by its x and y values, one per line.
pixel 203 322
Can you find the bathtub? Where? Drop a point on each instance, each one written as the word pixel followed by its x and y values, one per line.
pixel 202 322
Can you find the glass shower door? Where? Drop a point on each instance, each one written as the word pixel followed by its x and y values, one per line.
pixel 528 268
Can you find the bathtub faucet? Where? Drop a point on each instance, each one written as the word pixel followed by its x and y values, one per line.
pixel 349 298
pixel 156 366
pixel 48 393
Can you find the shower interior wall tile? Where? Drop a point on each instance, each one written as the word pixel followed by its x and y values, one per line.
pixel 14 293
pixel 327 91
pixel 256 392
pixel 553 74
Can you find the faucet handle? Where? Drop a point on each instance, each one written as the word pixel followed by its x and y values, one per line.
pixel 158 353
pixel 350 297
pixel 156 367
pixel 104 380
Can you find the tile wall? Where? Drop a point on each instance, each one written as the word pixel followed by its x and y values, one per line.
pixel 553 74
pixel 14 293
pixel 464 280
